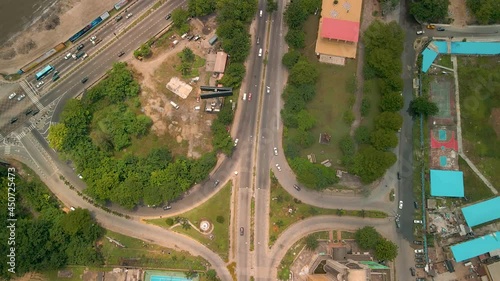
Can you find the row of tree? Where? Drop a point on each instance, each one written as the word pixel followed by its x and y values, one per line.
pixel 300 90
pixel 91 132
pixel 45 237
pixel 369 239
pixel 485 11
pixel 430 11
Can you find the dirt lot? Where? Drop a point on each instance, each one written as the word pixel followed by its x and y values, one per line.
pixel 185 125
pixel 459 13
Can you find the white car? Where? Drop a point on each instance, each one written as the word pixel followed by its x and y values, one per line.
pixel 275 151
pixel 93 38
pixel 39 84
pixel 11 96
pixel 401 205
pixel 84 56
pixel 68 55
pixel 21 97
pixel 420 32
pixel 278 167
pixel 128 16
pixel 419 251
pixel 417 221
pixel 236 142
pixel 268 89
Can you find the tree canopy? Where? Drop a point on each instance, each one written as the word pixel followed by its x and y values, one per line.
pixel 370 163
pixel 314 176
pixel 485 11
pixel 389 120
pixel 391 102
pixel 198 8
pixel 434 11
pixel 369 239
pixel 423 105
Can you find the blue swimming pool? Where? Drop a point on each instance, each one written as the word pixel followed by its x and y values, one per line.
pixel 160 275
pixel 167 278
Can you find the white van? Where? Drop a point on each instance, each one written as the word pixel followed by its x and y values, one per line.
pixel 260 52
pixel 260 13
pixel 174 105
pixel 245 96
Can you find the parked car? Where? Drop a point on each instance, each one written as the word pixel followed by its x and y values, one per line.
pixel 412 271
pixel 168 207
pixel 415 204
pixel 35 112
pixel 420 32
pixel 236 142
pixel 242 231
pixel 419 260
pixel 419 255
pixel 296 187
pixel 13 120
pixel 216 183
pixel 420 265
pixel 440 29
pixel 28 111
pixel 417 242
pixel 419 251
pixel 420 279
pixel 21 97
pixel 11 96
pixel 278 167
pixel 399 176
pixel 275 151
pixel 417 222
pixel 431 26
pixel 401 204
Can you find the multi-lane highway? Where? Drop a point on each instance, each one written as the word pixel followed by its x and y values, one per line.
pixel 259 130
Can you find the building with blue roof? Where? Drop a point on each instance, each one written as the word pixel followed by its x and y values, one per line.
pixel 482 212
pixel 447 183
pixel 476 247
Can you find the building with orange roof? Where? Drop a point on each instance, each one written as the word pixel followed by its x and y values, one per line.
pixel 338 33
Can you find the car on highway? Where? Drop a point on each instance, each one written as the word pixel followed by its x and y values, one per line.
pixel 420 32
pixel 168 16
pixel 21 97
pixel 249 96
pixel 85 56
pixel 11 96
pixel 236 142
pixel 420 265
pixel 417 222
pixel 296 187
pixel 278 167
pixel 431 26
pixel 399 176
pixel 84 80
pixel 275 151
pixel 35 112
pixel 268 89
pixel 260 13
pixel 121 53
pixel 13 120
pixel 81 46
pixel 400 204
pixel 28 111
pixel 93 38
pixel 168 207
pixel 118 18
pixel 244 96
pixel 216 183
pixel 260 52
pixel 412 271
pixel 242 231
pixel 67 56
pixel 440 29
pixel 417 242
pixel 128 16
pixel 419 251
pixel 258 40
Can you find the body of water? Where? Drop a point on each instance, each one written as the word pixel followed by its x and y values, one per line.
pixel 17 15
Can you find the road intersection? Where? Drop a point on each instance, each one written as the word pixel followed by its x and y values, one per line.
pixel 259 132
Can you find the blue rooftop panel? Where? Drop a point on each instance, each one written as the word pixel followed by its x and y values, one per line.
pixel 475 48
pixel 482 212
pixel 442 46
pixel 447 183
pixel 428 57
pixel 476 247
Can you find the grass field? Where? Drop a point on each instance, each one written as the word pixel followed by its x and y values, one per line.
pixel 444 60
pixel 331 101
pixel 282 202
pixel 218 205
pixel 479 84
pixel 475 189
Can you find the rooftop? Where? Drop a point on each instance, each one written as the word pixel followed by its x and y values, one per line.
pixel 494 271
pixel 220 62
pixel 482 212
pixel 447 183
pixel 473 248
pixel 339 22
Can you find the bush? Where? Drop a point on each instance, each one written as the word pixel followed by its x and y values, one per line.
pixel 169 221
pixel 362 135
pixel 220 219
pixel 348 117
pixel 365 107
pixel 290 58
pixel 144 51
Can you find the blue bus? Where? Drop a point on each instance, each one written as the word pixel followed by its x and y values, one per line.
pixel 48 69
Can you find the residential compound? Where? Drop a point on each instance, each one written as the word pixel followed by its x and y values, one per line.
pixel 338 33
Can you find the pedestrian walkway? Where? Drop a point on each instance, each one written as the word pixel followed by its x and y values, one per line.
pixel 31 93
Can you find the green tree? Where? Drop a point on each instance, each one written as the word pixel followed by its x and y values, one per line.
pixel 211 275
pixel 362 135
pixel 365 107
pixel 486 11
pixel 305 120
pixel 314 176
pixel 389 120
pixel 367 237
pixel 422 105
pixel 234 75
pixel 280 223
pixel 384 139
pixel 271 6
pixel 57 135
pixel 187 55
pixel 391 102
pixel 169 221
pixel 303 73
pixel 311 242
pixel 386 250
pixel 198 8
pixel 220 219
pixel 185 68
pixel 290 58
pixel 144 51
pixel 370 163
pixel 179 18
pixel 295 38
pixel 430 10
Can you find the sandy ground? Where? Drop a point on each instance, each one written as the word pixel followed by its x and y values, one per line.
pixel 73 15
pixel 459 12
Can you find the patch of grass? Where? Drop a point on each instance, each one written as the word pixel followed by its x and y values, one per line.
pixel 371 92
pixel 218 205
pixel 282 202
pixel 142 146
pixel 163 42
pixel 149 255
pixel 232 270
pixel 77 273
pixel 445 60
pixel 347 235
pixel 199 62
pixel 331 100
pixel 475 189
pixel 479 83
pixel 322 235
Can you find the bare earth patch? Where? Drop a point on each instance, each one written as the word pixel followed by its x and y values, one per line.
pixel 495 120
pixel 184 125
pixel 64 20
pixel 459 13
